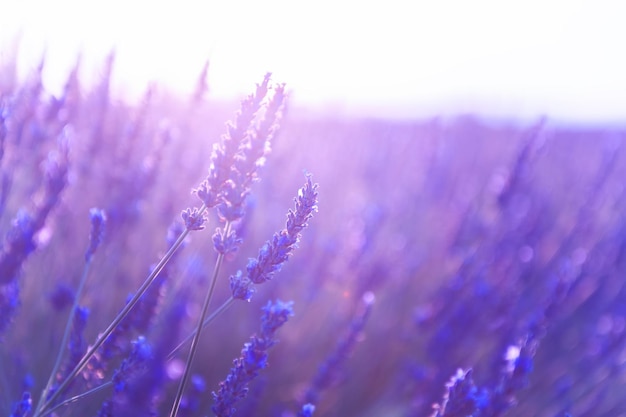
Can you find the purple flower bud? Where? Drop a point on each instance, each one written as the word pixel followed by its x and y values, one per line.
pixel 98 220
pixel 194 219
pixel 241 287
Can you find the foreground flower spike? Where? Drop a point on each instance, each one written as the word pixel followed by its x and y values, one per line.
pixel 276 252
pixel 251 156
pixel 253 359
pixel 194 218
pixel 211 190
pixel 222 177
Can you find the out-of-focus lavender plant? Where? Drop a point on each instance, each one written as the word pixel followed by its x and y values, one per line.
pixel 137 322
pixel 22 408
pixel 329 371
pixel 190 403
pixel 5 177
pixel 20 241
pixel 77 320
pixel 139 383
pixel 307 410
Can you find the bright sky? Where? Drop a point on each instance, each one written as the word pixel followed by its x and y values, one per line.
pixel 565 58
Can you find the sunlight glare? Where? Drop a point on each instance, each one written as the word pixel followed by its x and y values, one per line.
pixel 372 56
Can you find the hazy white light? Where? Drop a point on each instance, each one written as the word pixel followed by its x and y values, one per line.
pixel 391 57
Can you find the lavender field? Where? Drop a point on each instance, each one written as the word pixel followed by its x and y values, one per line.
pixel 449 266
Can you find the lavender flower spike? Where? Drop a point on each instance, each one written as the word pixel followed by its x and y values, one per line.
pixel 275 253
pixel 211 190
pixel 97 218
pixel 253 359
pixel 194 218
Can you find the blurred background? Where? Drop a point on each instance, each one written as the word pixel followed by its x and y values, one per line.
pixel 470 160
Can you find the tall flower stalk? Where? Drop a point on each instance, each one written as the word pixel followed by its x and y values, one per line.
pixel 212 193
pixel 272 255
pixel 196 338
pixel 253 359
pixel 232 172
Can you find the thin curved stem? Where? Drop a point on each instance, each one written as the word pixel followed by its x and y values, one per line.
pixel 206 322
pixel 45 408
pixel 196 337
pixel 171 355
pixel 81 395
